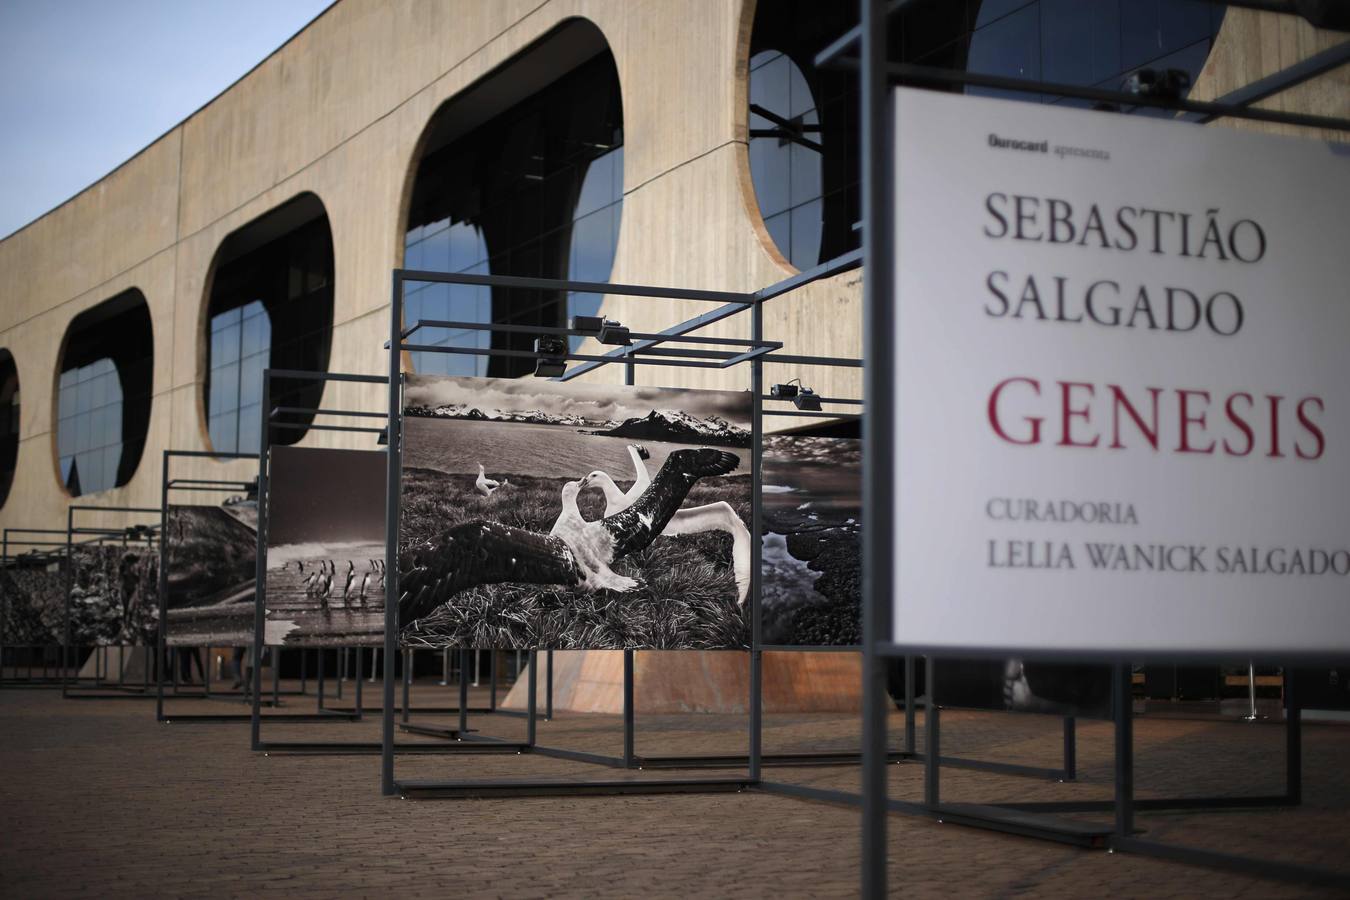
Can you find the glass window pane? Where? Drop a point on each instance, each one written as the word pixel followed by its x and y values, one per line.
pixel 65 438
pixel 229 344
pixel 225 389
pixel 224 433
pixel 806 230
pixel 250 378
pixel 250 424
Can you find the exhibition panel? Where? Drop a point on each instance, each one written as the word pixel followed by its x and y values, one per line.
pixel 611 517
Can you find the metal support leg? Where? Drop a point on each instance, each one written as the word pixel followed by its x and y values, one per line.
pixel 492 680
pixel 548 686
pixel 475 667
pixel 909 704
pixel 1124 710
pixel 445 667
pixel 932 762
pixel 464 692
pixel 628 712
pixel 357 679
pixel 1293 742
pixel 532 695
pixel 1070 749
pixel 407 683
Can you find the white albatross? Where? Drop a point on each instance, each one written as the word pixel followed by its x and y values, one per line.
pixel 717 516
pixel 576 554
pixel 486 486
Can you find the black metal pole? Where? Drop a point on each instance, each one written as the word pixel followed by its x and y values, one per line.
pixel 532 695
pixel 162 635
pixel 69 579
pixel 464 655
pixel 932 722
pixel 878 449
pixel 357 660
pixel 1124 712
pixel 756 737
pixel 407 682
pixel 909 703
pixel 394 450
pixel 1293 741
pixel 492 681
pixel 260 561
pixel 628 711
pixel 548 686
pixel 1070 749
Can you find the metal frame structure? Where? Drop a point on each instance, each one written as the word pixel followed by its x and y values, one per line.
pixel 878 75
pixel 69 652
pixel 51 549
pixel 648 345
pixel 645 350
pixel 209 485
pixel 356 713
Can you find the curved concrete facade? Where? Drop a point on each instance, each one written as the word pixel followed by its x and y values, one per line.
pixel 339 111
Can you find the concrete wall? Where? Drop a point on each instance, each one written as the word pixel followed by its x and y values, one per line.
pixel 339 111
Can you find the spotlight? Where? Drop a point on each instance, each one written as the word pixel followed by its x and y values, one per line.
pixel 552 351
pixel 1168 84
pixel 614 334
pixel 807 400
pixel 802 397
pixel 606 331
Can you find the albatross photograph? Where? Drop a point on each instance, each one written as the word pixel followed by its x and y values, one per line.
pixel 555 515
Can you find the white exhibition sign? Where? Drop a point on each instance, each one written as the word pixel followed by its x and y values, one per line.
pixel 1123 409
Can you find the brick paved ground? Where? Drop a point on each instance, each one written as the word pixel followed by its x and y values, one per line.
pixel 98 799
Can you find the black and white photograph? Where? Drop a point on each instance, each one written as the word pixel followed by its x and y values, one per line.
pixel 114 594
pixel 325 547
pixel 812 555
pixel 573 516
pixel 34 597
pixel 211 553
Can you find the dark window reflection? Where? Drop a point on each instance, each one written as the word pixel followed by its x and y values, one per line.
pixel 103 395
pixel 808 196
pixel 9 423
pixel 537 190
pixel 271 307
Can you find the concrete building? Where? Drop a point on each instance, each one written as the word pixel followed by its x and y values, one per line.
pixel 596 139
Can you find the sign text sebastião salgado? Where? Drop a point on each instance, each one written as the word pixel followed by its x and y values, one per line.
pixel 1124 383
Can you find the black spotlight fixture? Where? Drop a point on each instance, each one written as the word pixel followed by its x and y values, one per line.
pixel 808 400
pixel 614 334
pixel 606 331
pixel 802 397
pixel 552 352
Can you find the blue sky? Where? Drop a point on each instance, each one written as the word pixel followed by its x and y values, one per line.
pixel 86 84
